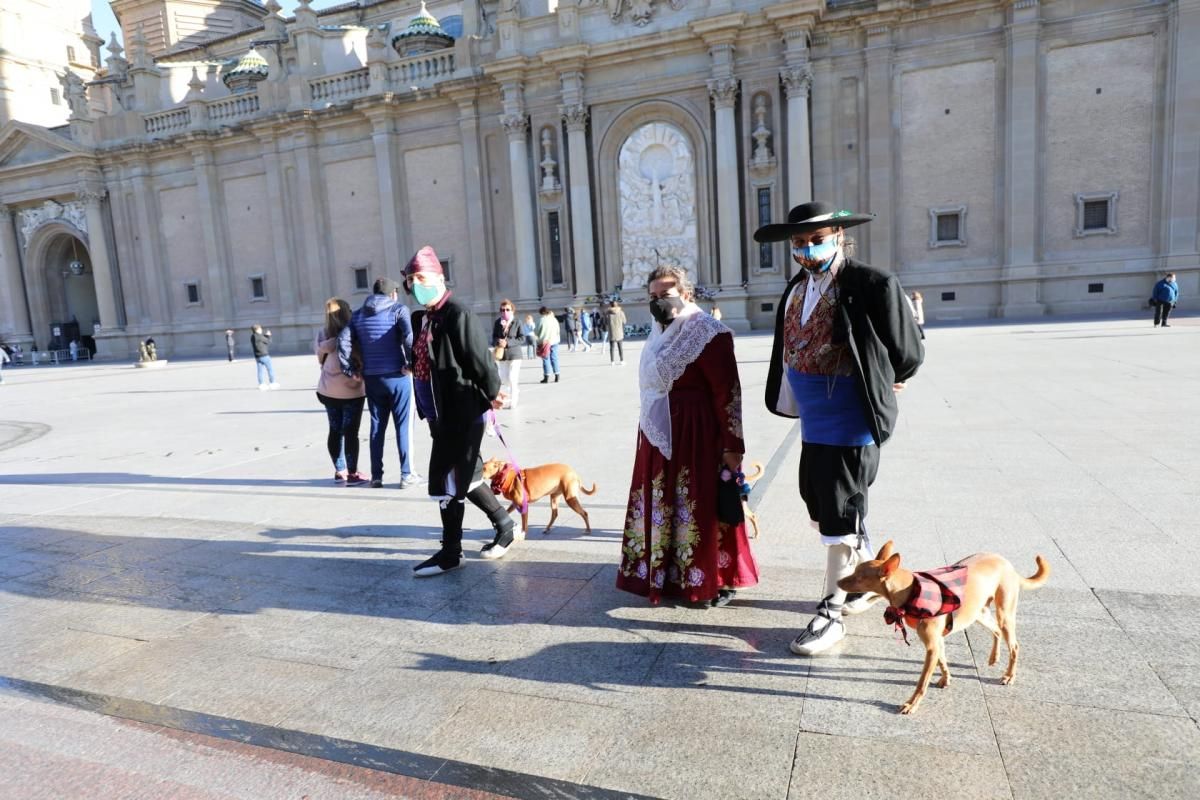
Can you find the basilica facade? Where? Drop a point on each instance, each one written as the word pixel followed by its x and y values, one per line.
pixel 231 166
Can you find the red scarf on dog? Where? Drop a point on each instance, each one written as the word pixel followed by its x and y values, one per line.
pixel 935 593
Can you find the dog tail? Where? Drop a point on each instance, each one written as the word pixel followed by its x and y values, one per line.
pixel 1038 578
pixel 586 490
pixel 757 473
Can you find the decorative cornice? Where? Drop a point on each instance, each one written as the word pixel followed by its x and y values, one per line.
pixel 797 81
pixel 515 125
pixel 576 116
pixel 90 194
pixel 723 92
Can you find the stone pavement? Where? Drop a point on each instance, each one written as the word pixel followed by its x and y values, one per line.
pixel 187 601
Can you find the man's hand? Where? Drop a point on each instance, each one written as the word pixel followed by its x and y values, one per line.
pixel 898 387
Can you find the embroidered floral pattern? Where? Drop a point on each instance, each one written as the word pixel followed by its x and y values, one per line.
pixel 673 535
pixel 733 412
pixel 809 347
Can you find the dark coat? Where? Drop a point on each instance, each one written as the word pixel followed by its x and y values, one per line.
pixel 463 371
pixel 515 339
pixel 260 343
pixel 884 340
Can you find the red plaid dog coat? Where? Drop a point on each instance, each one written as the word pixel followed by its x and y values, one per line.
pixel 935 592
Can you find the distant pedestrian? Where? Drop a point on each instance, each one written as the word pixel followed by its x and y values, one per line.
pixel 74 348
pixel 616 334
pixel 260 345
pixel 716 313
pixel 382 331
pixel 527 329
pixel 918 307
pixel 1164 298
pixel 585 329
pixel 341 390
pixel 508 342
pixel 18 355
pixel 601 316
pixel 230 346
pixel 456 385
pixel 548 338
pixel 4 359
pixel 571 328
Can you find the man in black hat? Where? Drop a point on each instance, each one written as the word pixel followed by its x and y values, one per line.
pixel 456 384
pixel 845 342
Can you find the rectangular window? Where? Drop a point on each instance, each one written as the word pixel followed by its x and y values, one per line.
pixel 556 266
pixel 70 55
pixel 1095 288
pixel 193 293
pixel 1095 215
pixel 55 97
pixel 258 287
pixel 446 264
pixel 947 227
pixel 767 307
pixel 361 279
pixel 766 252
pixel 948 297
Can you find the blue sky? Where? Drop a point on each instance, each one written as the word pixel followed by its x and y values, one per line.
pixel 106 23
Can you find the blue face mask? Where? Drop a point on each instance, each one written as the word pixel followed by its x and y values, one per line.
pixel 823 253
pixel 426 295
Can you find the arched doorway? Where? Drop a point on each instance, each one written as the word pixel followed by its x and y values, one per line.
pixel 62 287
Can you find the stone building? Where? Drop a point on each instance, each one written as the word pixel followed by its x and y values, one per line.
pixel 233 166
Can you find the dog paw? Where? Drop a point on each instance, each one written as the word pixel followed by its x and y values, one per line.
pixel 1006 680
pixel 943 683
pixel 908 708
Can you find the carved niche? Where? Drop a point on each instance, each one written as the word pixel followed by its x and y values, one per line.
pixel 657 178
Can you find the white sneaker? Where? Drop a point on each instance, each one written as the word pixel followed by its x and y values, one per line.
pixel 821 634
pixel 274 385
pixel 494 551
pixel 262 387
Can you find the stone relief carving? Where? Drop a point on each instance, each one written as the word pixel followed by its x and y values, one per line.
pixel 797 81
pixel 30 219
pixel 640 11
pixel 515 125
pixel 656 173
pixel 549 165
pixel 762 134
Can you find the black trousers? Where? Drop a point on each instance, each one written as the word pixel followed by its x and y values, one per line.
pixel 614 348
pixel 834 482
pixel 1161 312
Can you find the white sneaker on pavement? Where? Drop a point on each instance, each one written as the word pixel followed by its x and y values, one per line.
pixel 821 634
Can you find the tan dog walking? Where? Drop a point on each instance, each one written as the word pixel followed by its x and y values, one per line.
pixel 946 599
pixel 523 489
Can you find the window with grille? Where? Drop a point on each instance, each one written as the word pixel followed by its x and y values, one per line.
pixel 258 287
pixel 55 97
pixel 70 55
pixel 947 226
pixel 766 253
pixel 1096 214
pixel 361 279
pixel 193 293
pixel 554 228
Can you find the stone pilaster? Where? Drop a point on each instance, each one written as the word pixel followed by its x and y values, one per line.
pixel 1019 290
pixel 290 299
pixel 797 83
pixel 102 262
pixel 579 187
pixel 473 196
pixel 516 126
pixel 392 198
pixel 724 96
pixel 208 194
pixel 14 313
pixel 1183 166
pixel 880 162
pixel 156 305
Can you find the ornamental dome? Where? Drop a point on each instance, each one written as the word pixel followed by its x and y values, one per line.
pixel 249 70
pixel 424 34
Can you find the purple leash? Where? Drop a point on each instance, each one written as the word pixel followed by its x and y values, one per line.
pixel 512 461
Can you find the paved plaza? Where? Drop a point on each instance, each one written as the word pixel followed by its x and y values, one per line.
pixel 190 608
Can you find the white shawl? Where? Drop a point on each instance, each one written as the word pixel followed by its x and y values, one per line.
pixel 668 353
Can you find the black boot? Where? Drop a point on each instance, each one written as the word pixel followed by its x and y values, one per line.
pixel 558 377
pixel 450 556
pixel 483 498
pixel 545 379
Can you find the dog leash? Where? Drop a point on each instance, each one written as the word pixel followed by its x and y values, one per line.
pixel 512 462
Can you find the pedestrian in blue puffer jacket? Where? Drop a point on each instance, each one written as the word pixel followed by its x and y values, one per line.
pixel 382 332
pixel 1163 298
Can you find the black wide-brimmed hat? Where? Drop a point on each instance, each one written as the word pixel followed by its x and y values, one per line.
pixel 809 217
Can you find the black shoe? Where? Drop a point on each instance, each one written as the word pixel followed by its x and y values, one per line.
pixel 557 377
pixel 438 564
pixel 723 598
pixel 1165 325
pixel 545 379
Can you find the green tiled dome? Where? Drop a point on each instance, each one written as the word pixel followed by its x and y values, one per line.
pixel 250 64
pixel 423 33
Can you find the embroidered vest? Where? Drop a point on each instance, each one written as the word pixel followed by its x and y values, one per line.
pixel 808 347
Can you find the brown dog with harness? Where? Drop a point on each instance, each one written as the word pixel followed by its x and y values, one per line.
pixel 523 488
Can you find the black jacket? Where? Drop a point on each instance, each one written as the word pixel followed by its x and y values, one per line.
pixel 260 343
pixel 463 372
pixel 513 350
pixel 883 337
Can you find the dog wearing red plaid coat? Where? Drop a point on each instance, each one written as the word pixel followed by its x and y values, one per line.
pixel 945 599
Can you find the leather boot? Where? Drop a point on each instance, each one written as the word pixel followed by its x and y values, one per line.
pixel 483 498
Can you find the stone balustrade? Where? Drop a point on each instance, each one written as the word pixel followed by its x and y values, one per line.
pixel 421 71
pixel 343 86
pixel 167 123
pixel 229 110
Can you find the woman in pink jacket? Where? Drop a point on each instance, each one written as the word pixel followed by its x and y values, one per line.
pixel 341 390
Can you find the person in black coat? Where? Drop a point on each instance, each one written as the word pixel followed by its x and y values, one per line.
pixel 845 343
pixel 456 385
pixel 508 343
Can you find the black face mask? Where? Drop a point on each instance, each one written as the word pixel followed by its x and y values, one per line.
pixel 664 309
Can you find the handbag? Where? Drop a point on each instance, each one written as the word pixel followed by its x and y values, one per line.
pixel 543 350
pixel 498 352
pixel 729 498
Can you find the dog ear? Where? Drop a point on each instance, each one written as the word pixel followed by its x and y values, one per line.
pixel 886 551
pixel 891 564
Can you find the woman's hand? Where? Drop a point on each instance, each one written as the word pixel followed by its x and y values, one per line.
pixel 732 460
pixel 498 403
pixel 897 387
